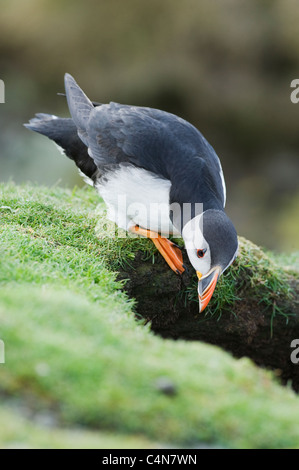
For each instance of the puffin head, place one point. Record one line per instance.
(212, 244)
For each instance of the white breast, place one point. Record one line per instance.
(135, 196)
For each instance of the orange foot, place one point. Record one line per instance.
(170, 252)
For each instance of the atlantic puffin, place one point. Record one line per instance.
(162, 167)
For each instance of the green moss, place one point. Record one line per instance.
(17, 431)
(253, 275)
(288, 261)
(73, 345)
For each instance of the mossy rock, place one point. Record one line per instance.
(77, 348)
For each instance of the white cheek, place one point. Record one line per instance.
(200, 264)
(194, 239)
(193, 234)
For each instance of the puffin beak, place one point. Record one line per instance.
(206, 286)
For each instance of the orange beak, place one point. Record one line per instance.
(206, 286)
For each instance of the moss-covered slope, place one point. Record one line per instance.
(74, 348)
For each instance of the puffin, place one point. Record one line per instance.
(158, 176)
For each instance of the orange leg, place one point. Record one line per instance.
(170, 252)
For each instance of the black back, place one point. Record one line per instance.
(157, 141)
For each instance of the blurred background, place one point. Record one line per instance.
(224, 66)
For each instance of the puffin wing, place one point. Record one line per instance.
(79, 105)
(155, 140)
(119, 133)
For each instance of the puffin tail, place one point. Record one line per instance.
(51, 126)
(79, 104)
(63, 132)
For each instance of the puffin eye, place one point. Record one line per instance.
(201, 253)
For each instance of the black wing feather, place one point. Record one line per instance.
(161, 143)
